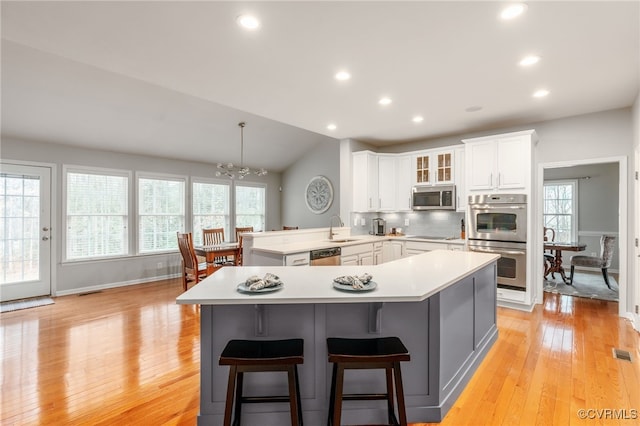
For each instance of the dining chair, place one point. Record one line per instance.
(607, 244)
(289, 228)
(549, 257)
(239, 232)
(192, 271)
(212, 237)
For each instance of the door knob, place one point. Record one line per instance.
(45, 238)
(45, 229)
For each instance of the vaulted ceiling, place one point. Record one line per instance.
(174, 78)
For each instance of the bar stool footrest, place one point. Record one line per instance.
(260, 399)
(365, 396)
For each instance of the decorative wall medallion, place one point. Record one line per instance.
(319, 194)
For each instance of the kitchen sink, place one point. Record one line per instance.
(343, 240)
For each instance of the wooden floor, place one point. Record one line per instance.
(131, 356)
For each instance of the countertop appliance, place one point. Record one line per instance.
(441, 197)
(325, 257)
(379, 226)
(498, 224)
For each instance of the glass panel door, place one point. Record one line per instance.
(25, 231)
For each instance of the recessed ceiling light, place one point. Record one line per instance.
(331, 126)
(529, 60)
(418, 119)
(540, 93)
(249, 22)
(473, 108)
(513, 11)
(384, 101)
(343, 75)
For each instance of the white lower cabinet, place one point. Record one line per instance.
(392, 250)
(297, 259)
(361, 254)
(377, 253)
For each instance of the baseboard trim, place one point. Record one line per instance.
(113, 285)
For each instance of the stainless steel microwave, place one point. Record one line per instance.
(433, 197)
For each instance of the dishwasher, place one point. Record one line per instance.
(325, 257)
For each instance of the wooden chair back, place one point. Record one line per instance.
(549, 234)
(213, 236)
(239, 232)
(190, 271)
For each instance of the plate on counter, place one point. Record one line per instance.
(245, 290)
(348, 287)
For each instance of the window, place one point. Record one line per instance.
(250, 206)
(210, 208)
(96, 213)
(161, 213)
(560, 201)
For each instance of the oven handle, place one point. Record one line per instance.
(495, 207)
(514, 252)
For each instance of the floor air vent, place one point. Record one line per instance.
(620, 354)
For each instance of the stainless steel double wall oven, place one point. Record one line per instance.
(498, 224)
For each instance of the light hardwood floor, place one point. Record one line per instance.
(131, 356)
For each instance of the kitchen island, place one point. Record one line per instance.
(442, 304)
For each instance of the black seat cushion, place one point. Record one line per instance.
(263, 350)
(382, 346)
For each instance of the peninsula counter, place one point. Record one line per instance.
(442, 304)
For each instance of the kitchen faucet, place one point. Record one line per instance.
(331, 233)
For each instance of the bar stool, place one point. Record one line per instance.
(244, 356)
(378, 353)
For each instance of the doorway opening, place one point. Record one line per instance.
(591, 224)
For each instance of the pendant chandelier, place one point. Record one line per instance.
(230, 171)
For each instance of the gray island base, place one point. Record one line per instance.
(441, 304)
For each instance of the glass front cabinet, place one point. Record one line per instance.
(433, 167)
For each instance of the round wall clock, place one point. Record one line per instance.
(319, 194)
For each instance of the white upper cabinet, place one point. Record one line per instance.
(387, 189)
(433, 167)
(403, 182)
(500, 163)
(459, 178)
(365, 181)
(381, 182)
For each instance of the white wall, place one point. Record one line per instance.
(634, 290)
(86, 275)
(323, 160)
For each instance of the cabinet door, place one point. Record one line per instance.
(443, 167)
(480, 165)
(366, 259)
(378, 259)
(365, 181)
(387, 189)
(349, 260)
(460, 180)
(403, 183)
(422, 169)
(360, 184)
(513, 163)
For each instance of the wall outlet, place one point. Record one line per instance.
(362, 222)
(355, 221)
(159, 265)
(406, 222)
(594, 254)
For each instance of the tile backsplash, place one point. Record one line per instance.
(432, 223)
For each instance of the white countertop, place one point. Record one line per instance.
(298, 247)
(410, 279)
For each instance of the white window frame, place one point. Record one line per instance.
(234, 205)
(69, 168)
(229, 233)
(574, 203)
(186, 213)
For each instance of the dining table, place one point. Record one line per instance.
(557, 248)
(216, 255)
